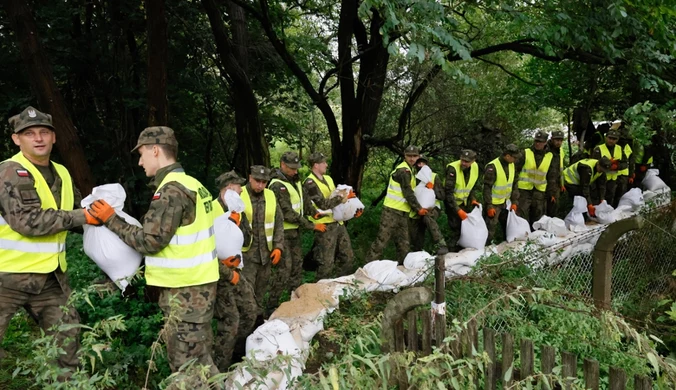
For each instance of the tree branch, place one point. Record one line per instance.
(510, 73)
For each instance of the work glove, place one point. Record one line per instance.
(476, 203)
(631, 178)
(513, 208)
(90, 219)
(235, 217)
(429, 185)
(614, 164)
(351, 195)
(491, 212)
(422, 212)
(591, 210)
(358, 213)
(275, 256)
(232, 261)
(553, 199)
(101, 210)
(320, 227)
(235, 278)
(462, 214)
(643, 168)
(563, 189)
(318, 215)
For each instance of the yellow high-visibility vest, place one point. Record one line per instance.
(572, 176)
(531, 175)
(627, 152)
(462, 188)
(640, 153)
(437, 202)
(190, 257)
(326, 190)
(394, 198)
(617, 155)
(296, 198)
(218, 209)
(561, 165)
(502, 188)
(22, 254)
(270, 210)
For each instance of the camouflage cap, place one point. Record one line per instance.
(468, 155)
(316, 158)
(156, 135)
(613, 134)
(412, 150)
(604, 163)
(291, 160)
(260, 172)
(229, 178)
(540, 136)
(422, 158)
(28, 118)
(512, 150)
(558, 134)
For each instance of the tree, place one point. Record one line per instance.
(158, 105)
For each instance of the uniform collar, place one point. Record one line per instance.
(163, 172)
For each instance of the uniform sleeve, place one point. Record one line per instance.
(245, 227)
(316, 196)
(449, 188)
(518, 166)
(489, 180)
(439, 192)
(160, 222)
(278, 235)
(309, 209)
(596, 153)
(284, 203)
(472, 193)
(20, 206)
(631, 162)
(403, 177)
(601, 185)
(553, 176)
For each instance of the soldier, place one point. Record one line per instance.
(643, 160)
(627, 175)
(235, 309)
(267, 226)
(38, 205)
(295, 205)
(554, 146)
(429, 221)
(618, 162)
(536, 179)
(399, 202)
(332, 247)
(460, 187)
(499, 184)
(586, 176)
(178, 242)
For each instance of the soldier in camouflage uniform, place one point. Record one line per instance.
(618, 162)
(460, 189)
(399, 202)
(497, 189)
(429, 222)
(295, 205)
(332, 247)
(267, 227)
(179, 247)
(554, 145)
(38, 201)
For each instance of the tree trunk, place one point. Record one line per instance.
(48, 95)
(158, 105)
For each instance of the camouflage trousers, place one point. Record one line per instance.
(531, 205)
(235, 314)
(258, 275)
(45, 307)
(333, 249)
(289, 271)
(454, 224)
(500, 217)
(393, 225)
(611, 188)
(621, 189)
(418, 227)
(192, 337)
(553, 207)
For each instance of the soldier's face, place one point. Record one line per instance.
(288, 171)
(611, 141)
(465, 164)
(539, 145)
(557, 143)
(35, 143)
(411, 159)
(321, 167)
(509, 158)
(149, 159)
(257, 185)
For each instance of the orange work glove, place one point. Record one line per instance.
(317, 215)
(563, 188)
(90, 219)
(235, 217)
(358, 213)
(422, 212)
(320, 227)
(275, 256)
(591, 210)
(232, 261)
(491, 212)
(513, 208)
(614, 165)
(643, 168)
(351, 195)
(476, 203)
(553, 200)
(429, 185)
(101, 210)
(631, 178)
(462, 214)
(235, 278)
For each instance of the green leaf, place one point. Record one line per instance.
(508, 373)
(654, 363)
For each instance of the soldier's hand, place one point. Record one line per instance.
(476, 203)
(351, 195)
(235, 217)
(491, 212)
(101, 210)
(553, 199)
(591, 210)
(358, 213)
(513, 207)
(235, 277)
(320, 227)
(232, 261)
(643, 168)
(631, 178)
(462, 214)
(422, 212)
(90, 219)
(563, 189)
(275, 256)
(429, 185)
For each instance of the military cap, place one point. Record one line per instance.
(512, 150)
(260, 172)
(540, 136)
(291, 160)
(420, 159)
(30, 117)
(412, 150)
(557, 134)
(156, 135)
(613, 134)
(604, 163)
(316, 158)
(468, 155)
(229, 178)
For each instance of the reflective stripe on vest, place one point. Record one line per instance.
(190, 257)
(502, 188)
(561, 165)
(627, 152)
(270, 210)
(617, 155)
(394, 198)
(326, 191)
(572, 176)
(296, 198)
(19, 253)
(531, 175)
(463, 188)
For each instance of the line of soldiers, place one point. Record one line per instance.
(532, 180)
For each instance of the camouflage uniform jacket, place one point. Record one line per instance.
(315, 195)
(552, 178)
(20, 207)
(259, 251)
(490, 176)
(586, 173)
(403, 177)
(622, 163)
(284, 201)
(556, 160)
(449, 188)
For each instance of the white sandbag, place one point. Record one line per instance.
(385, 272)
(424, 174)
(271, 339)
(652, 181)
(575, 220)
(233, 201)
(473, 231)
(345, 211)
(517, 228)
(544, 238)
(554, 225)
(229, 238)
(418, 260)
(632, 198)
(604, 213)
(425, 196)
(118, 260)
(467, 257)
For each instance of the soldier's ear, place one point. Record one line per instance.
(15, 138)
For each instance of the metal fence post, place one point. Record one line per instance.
(603, 259)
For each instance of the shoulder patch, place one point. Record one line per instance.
(407, 170)
(157, 195)
(22, 173)
(282, 188)
(451, 174)
(309, 180)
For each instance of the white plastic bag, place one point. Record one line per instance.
(385, 272)
(418, 260)
(517, 228)
(118, 260)
(424, 195)
(555, 226)
(604, 213)
(575, 220)
(632, 198)
(345, 211)
(270, 339)
(229, 238)
(473, 231)
(233, 201)
(652, 181)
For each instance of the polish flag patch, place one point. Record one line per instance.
(157, 196)
(22, 173)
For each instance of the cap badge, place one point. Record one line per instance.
(32, 114)
(262, 170)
